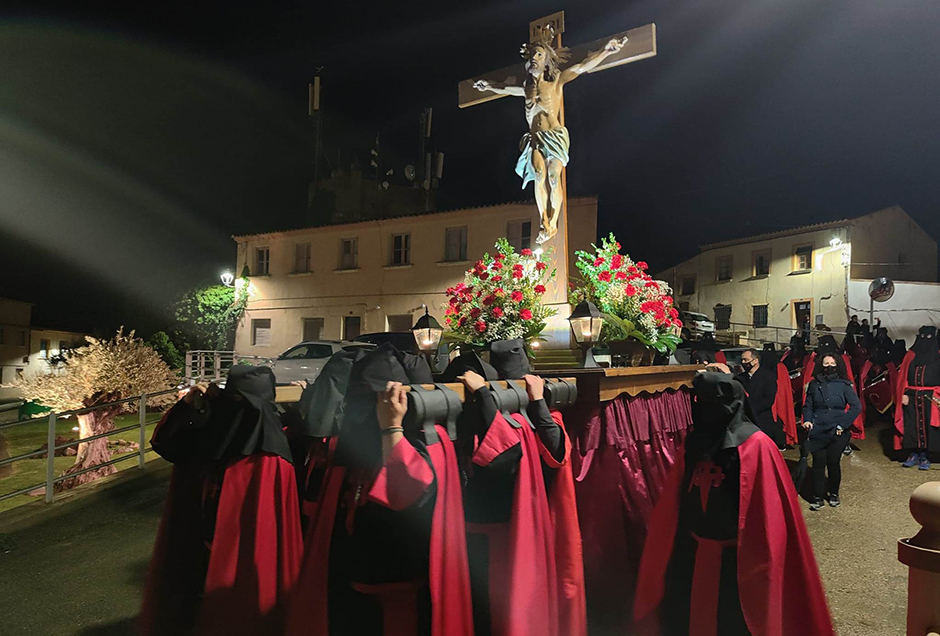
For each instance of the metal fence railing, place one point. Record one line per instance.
(51, 447)
(740, 334)
(213, 366)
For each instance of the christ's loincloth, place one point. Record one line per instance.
(552, 144)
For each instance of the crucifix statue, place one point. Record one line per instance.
(544, 148)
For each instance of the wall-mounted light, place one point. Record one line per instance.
(835, 242)
(228, 278)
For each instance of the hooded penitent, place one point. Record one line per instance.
(727, 550)
(918, 423)
(229, 546)
(386, 544)
(360, 445)
(322, 404)
(782, 409)
(523, 534)
(509, 358)
(469, 361)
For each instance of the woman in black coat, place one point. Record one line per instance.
(831, 406)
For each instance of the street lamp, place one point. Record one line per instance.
(427, 332)
(228, 278)
(586, 322)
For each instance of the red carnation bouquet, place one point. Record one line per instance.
(500, 298)
(634, 304)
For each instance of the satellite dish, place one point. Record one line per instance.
(881, 289)
(410, 172)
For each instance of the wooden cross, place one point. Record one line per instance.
(640, 44)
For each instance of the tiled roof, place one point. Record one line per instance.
(802, 229)
(402, 216)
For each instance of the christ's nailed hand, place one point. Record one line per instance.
(473, 381)
(481, 85)
(615, 44)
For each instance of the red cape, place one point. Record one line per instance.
(401, 481)
(859, 424)
(543, 592)
(783, 404)
(254, 557)
(778, 581)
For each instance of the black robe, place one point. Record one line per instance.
(918, 431)
(761, 391)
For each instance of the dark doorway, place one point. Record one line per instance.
(352, 327)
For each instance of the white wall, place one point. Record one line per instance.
(913, 305)
(823, 285)
(375, 290)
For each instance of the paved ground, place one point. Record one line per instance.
(78, 568)
(856, 543)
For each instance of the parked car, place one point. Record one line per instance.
(305, 360)
(698, 324)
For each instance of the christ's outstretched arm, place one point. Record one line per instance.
(505, 88)
(591, 61)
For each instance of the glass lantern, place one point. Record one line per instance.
(586, 322)
(427, 332)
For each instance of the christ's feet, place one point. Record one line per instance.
(545, 235)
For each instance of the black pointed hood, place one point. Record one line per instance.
(509, 358)
(719, 418)
(469, 361)
(926, 347)
(359, 443)
(322, 404)
(898, 351)
(826, 345)
(245, 431)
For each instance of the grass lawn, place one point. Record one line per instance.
(30, 437)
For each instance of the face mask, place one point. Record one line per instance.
(747, 365)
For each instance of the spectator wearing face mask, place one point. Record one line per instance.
(830, 408)
(760, 384)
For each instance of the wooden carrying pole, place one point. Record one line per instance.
(289, 394)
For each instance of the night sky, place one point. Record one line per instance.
(135, 139)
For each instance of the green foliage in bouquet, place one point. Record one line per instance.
(633, 303)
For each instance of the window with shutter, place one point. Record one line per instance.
(455, 244)
(262, 261)
(759, 318)
(302, 253)
(313, 329)
(519, 234)
(724, 268)
(352, 327)
(401, 249)
(723, 317)
(261, 332)
(349, 254)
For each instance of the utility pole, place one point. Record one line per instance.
(313, 111)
